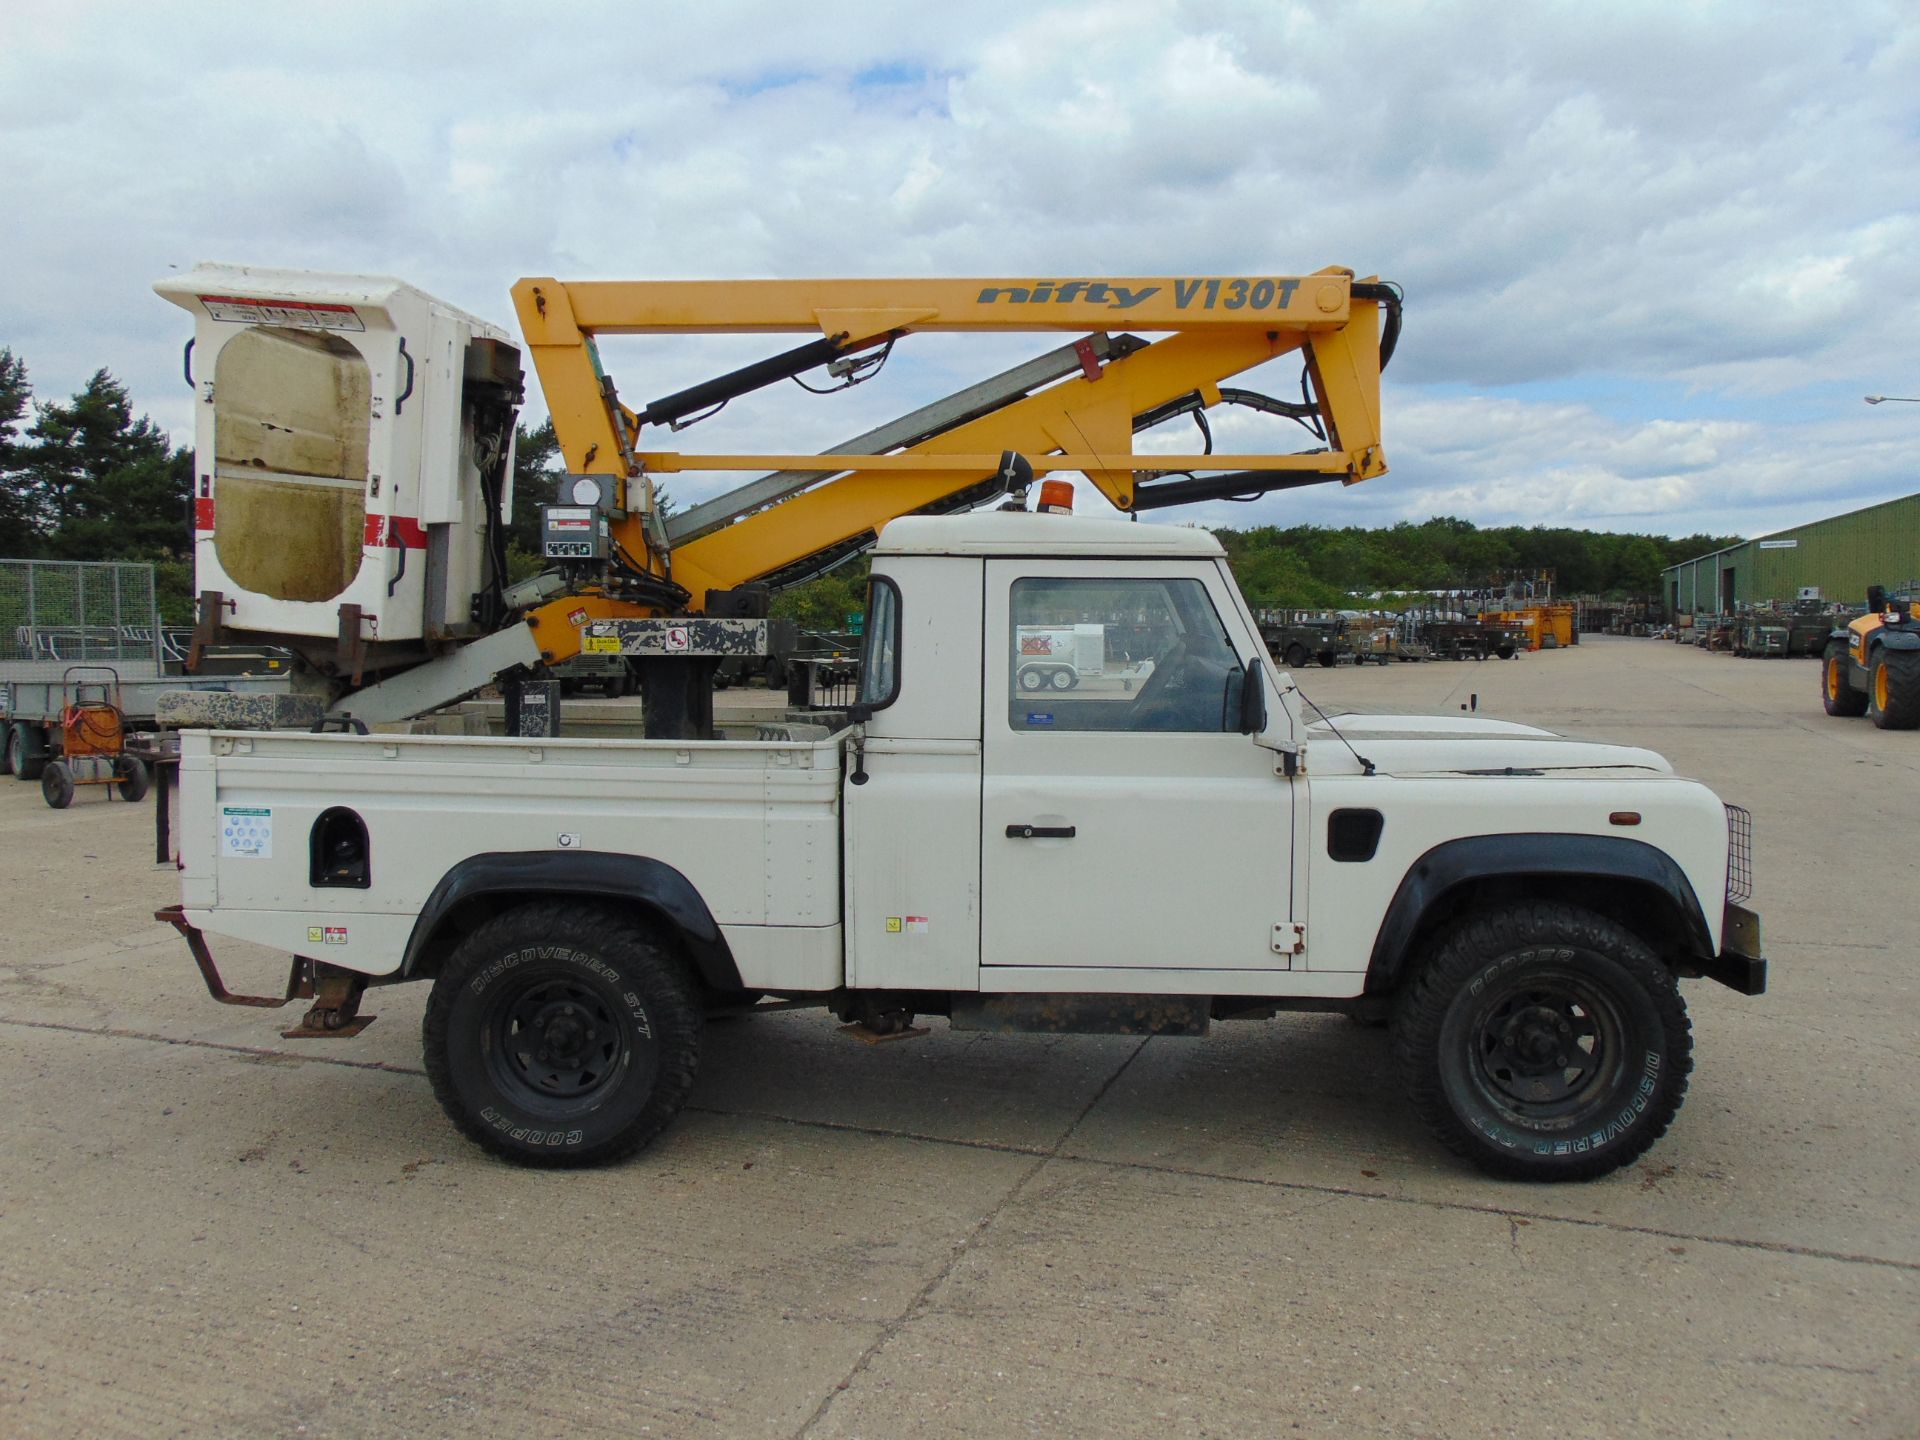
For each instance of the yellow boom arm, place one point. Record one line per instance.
(1215, 327)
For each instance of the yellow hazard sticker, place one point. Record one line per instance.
(316, 935)
(601, 645)
(893, 924)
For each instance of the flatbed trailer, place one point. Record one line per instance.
(34, 700)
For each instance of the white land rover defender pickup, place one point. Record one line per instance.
(1124, 858)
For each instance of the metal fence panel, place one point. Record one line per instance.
(56, 613)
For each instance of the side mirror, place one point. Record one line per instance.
(859, 714)
(1253, 699)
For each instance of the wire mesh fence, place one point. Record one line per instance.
(55, 613)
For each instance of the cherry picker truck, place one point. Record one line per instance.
(1521, 906)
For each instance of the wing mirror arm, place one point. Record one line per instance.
(858, 716)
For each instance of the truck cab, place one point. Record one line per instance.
(1177, 839)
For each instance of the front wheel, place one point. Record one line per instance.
(1837, 695)
(1544, 1042)
(56, 784)
(561, 1035)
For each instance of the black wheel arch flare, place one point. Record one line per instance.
(1591, 869)
(482, 885)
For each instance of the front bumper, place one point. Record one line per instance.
(1739, 965)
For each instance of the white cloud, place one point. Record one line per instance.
(1653, 253)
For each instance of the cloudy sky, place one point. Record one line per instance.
(1654, 254)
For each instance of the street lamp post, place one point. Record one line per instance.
(1882, 399)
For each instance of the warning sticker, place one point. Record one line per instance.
(679, 638)
(239, 310)
(916, 924)
(601, 645)
(246, 832)
(577, 617)
(326, 934)
(893, 925)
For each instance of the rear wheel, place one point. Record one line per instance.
(1544, 1042)
(561, 1035)
(1893, 696)
(131, 774)
(1836, 692)
(1296, 656)
(56, 784)
(24, 759)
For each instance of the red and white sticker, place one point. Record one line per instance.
(678, 638)
(312, 315)
(576, 617)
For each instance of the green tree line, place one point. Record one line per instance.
(87, 479)
(1317, 566)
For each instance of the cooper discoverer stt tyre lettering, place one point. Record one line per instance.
(561, 1035)
(1544, 1042)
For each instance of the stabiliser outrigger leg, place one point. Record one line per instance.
(335, 1013)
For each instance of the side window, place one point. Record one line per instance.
(880, 648)
(1130, 655)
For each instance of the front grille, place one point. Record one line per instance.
(1739, 853)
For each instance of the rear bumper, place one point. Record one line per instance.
(1739, 965)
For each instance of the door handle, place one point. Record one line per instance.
(1040, 832)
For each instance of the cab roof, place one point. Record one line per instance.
(1020, 532)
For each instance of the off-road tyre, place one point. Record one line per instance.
(619, 1063)
(1508, 993)
(1296, 656)
(1837, 694)
(1893, 689)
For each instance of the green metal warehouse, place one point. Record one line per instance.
(1840, 557)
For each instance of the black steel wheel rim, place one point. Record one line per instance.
(1546, 1046)
(558, 1044)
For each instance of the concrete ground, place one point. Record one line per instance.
(205, 1230)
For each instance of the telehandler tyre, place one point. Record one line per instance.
(1893, 689)
(1544, 1042)
(1836, 694)
(560, 1035)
